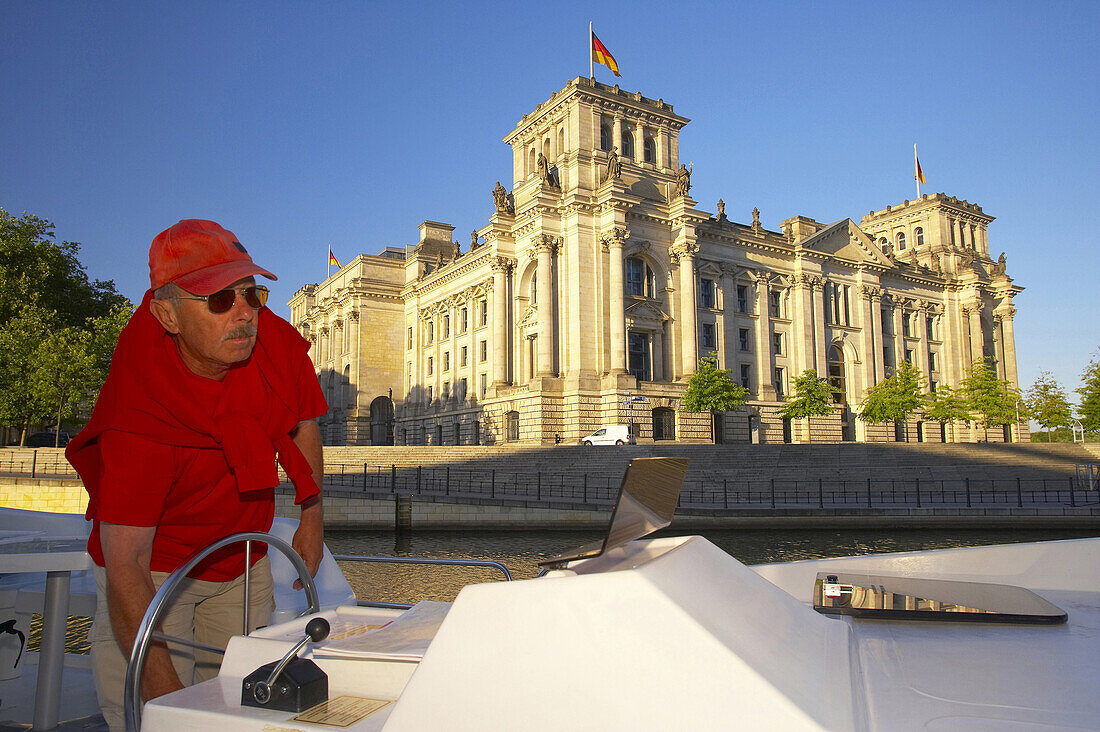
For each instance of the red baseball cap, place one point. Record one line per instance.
(201, 257)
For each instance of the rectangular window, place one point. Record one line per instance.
(745, 373)
(929, 328)
(931, 360)
(887, 356)
(483, 313)
(742, 299)
(431, 333)
(464, 320)
(932, 386)
(484, 351)
(446, 327)
(887, 322)
(707, 297)
(637, 355)
(907, 324)
(710, 336)
(777, 344)
(908, 356)
(410, 337)
(431, 364)
(827, 300)
(847, 310)
(462, 362)
(775, 301)
(780, 390)
(446, 360)
(743, 337)
(446, 390)
(482, 384)
(461, 393)
(429, 394)
(635, 277)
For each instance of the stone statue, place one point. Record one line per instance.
(1001, 265)
(934, 264)
(544, 171)
(755, 218)
(721, 210)
(683, 180)
(500, 198)
(614, 168)
(473, 240)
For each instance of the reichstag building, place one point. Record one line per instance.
(597, 284)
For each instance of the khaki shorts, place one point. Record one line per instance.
(206, 612)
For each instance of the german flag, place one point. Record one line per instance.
(601, 55)
(917, 172)
(332, 260)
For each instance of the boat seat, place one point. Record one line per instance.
(332, 586)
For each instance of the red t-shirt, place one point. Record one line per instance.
(189, 493)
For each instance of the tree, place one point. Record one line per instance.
(22, 340)
(1047, 403)
(1089, 408)
(35, 270)
(711, 389)
(945, 405)
(895, 398)
(989, 399)
(811, 396)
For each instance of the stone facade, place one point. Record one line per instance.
(597, 284)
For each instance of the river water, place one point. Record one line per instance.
(520, 551)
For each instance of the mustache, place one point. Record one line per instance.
(241, 331)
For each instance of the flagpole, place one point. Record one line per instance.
(916, 167)
(591, 66)
(328, 262)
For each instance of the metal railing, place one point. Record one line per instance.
(717, 492)
(489, 563)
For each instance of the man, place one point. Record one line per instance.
(206, 389)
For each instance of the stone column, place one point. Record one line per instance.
(501, 267)
(977, 340)
(617, 134)
(820, 358)
(729, 320)
(867, 335)
(639, 143)
(545, 247)
(921, 323)
(762, 346)
(662, 148)
(874, 301)
(613, 244)
(685, 252)
(1008, 344)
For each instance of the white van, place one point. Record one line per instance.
(610, 434)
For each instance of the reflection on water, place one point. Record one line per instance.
(520, 551)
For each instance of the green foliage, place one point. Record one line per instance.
(57, 329)
(1047, 403)
(894, 398)
(945, 406)
(991, 401)
(811, 396)
(711, 389)
(1089, 408)
(35, 270)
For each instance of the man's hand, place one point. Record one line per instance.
(309, 539)
(127, 551)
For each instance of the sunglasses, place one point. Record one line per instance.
(221, 301)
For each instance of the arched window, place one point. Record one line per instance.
(901, 241)
(628, 144)
(534, 287)
(546, 147)
(640, 281)
(349, 387)
(561, 142)
(605, 137)
(836, 373)
(919, 235)
(531, 161)
(884, 245)
(650, 150)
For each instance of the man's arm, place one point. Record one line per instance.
(310, 537)
(127, 551)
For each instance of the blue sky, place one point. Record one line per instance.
(302, 125)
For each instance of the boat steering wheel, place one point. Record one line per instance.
(158, 606)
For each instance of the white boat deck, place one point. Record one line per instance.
(675, 634)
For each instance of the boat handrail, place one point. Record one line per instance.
(489, 563)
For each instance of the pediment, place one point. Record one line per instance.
(645, 310)
(529, 319)
(844, 240)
